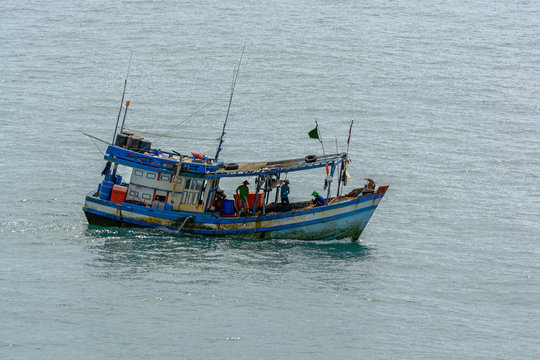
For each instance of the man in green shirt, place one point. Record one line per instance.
(243, 191)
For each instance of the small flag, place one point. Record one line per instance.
(314, 134)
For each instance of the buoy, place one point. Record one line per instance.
(198, 155)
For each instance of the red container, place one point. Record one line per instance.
(118, 193)
(251, 199)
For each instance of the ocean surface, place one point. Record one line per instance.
(445, 98)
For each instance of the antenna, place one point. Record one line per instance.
(235, 76)
(122, 101)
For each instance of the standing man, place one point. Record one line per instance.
(285, 193)
(243, 191)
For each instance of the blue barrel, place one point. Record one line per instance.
(228, 207)
(168, 207)
(106, 190)
(118, 180)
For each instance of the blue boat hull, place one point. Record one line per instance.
(343, 219)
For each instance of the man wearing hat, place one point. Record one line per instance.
(285, 193)
(318, 200)
(243, 191)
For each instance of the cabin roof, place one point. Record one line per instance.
(277, 166)
(219, 169)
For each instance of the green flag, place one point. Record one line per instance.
(314, 134)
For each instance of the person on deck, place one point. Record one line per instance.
(243, 191)
(285, 193)
(318, 200)
(219, 199)
(370, 186)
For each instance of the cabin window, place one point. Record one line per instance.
(189, 197)
(180, 197)
(151, 175)
(193, 184)
(138, 172)
(193, 191)
(202, 191)
(166, 178)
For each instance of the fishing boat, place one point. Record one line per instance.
(181, 192)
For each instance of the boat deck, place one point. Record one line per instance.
(277, 208)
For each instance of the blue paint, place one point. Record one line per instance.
(313, 229)
(228, 207)
(106, 190)
(209, 218)
(349, 223)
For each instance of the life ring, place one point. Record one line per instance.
(231, 166)
(311, 158)
(198, 155)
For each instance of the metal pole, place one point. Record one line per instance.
(125, 113)
(235, 76)
(122, 101)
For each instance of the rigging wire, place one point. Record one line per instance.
(170, 136)
(262, 112)
(92, 137)
(189, 117)
(257, 108)
(101, 151)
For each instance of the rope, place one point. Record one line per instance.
(256, 108)
(170, 136)
(190, 116)
(260, 111)
(101, 151)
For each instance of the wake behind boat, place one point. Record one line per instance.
(182, 192)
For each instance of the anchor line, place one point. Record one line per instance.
(185, 221)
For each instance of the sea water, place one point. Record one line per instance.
(445, 102)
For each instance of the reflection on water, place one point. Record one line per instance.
(132, 252)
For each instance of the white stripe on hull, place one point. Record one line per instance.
(333, 223)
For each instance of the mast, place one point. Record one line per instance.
(122, 101)
(235, 76)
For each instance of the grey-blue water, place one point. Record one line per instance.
(445, 102)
